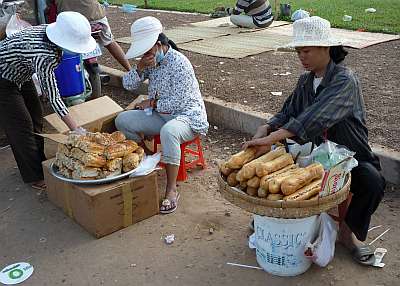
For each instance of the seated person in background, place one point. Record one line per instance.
(175, 108)
(258, 14)
(327, 104)
(96, 15)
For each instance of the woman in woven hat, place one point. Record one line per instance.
(327, 104)
(175, 108)
(37, 50)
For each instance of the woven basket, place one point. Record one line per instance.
(283, 209)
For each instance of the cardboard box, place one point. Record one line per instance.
(95, 115)
(103, 209)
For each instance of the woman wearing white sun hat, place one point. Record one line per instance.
(327, 104)
(36, 49)
(175, 108)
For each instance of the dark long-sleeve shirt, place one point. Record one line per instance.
(29, 52)
(337, 107)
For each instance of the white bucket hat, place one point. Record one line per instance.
(71, 31)
(144, 32)
(313, 31)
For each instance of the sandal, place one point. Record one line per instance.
(167, 204)
(39, 186)
(364, 255)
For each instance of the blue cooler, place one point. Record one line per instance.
(69, 75)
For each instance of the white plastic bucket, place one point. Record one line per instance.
(280, 244)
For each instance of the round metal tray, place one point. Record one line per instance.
(54, 172)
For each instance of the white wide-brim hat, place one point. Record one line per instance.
(72, 32)
(144, 32)
(313, 32)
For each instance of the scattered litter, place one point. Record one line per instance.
(227, 213)
(244, 101)
(215, 127)
(330, 267)
(189, 266)
(370, 10)
(222, 71)
(228, 72)
(226, 148)
(276, 73)
(42, 240)
(285, 73)
(211, 230)
(11, 199)
(374, 227)
(169, 239)
(244, 266)
(379, 254)
(201, 81)
(252, 87)
(221, 63)
(379, 236)
(209, 238)
(133, 265)
(347, 18)
(128, 8)
(16, 273)
(276, 93)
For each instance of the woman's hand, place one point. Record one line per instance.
(145, 62)
(262, 145)
(147, 103)
(262, 131)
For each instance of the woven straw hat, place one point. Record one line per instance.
(313, 32)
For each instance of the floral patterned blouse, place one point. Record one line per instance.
(174, 85)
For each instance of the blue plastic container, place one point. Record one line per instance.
(69, 75)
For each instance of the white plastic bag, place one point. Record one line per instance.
(148, 165)
(322, 250)
(299, 14)
(15, 25)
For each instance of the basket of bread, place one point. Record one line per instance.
(274, 186)
(96, 157)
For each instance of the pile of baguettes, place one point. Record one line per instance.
(97, 156)
(273, 176)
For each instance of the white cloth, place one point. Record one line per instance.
(317, 82)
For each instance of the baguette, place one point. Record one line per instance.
(239, 176)
(231, 179)
(251, 191)
(299, 180)
(264, 182)
(249, 169)
(238, 160)
(305, 192)
(274, 165)
(90, 147)
(64, 149)
(254, 182)
(224, 169)
(274, 184)
(118, 136)
(262, 193)
(275, 197)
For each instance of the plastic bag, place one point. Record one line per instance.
(15, 25)
(322, 250)
(299, 14)
(148, 165)
(329, 154)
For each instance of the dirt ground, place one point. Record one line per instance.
(251, 80)
(63, 253)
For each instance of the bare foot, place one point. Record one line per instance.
(39, 185)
